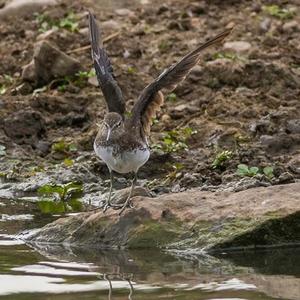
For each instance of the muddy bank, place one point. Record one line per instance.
(197, 220)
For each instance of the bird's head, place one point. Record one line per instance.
(112, 121)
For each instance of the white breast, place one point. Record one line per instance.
(126, 162)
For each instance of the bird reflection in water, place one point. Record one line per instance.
(124, 276)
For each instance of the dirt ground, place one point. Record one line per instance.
(243, 97)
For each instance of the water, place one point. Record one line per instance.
(65, 273)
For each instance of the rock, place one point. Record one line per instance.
(124, 12)
(237, 46)
(286, 177)
(293, 126)
(265, 24)
(291, 26)
(21, 8)
(93, 81)
(193, 219)
(25, 127)
(49, 63)
(111, 24)
(294, 164)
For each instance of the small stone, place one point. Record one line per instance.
(110, 24)
(163, 8)
(237, 46)
(46, 35)
(124, 12)
(286, 177)
(294, 164)
(93, 81)
(180, 107)
(166, 119)
(293, 126)
(265, 25)
(291, 26)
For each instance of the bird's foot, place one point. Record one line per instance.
(128, 203)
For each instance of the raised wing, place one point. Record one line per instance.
(151, 98)
(104, 71)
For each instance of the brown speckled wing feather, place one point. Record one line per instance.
(104, 71)
(151, 98)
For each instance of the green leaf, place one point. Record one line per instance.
(253, 170)
(51, 207)
(268, 171)
(171, 97)
(242, 170)
(75, 204)
(60, 146)
(68, 162)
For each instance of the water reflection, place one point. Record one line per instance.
(38, 269)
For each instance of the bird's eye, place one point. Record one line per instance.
(118, 124)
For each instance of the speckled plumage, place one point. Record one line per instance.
(122, 142)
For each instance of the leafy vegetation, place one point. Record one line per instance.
(221, 158)
(244, 170)
(46, 23)
(278, 12)
(174, 140)
(80, 80)
(64, 147)
(227, 55)
(171, 97)
(60, 198)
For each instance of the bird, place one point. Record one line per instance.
(122, 139)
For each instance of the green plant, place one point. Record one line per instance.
(59, 198)
(278, 12)
(244, 170)
(227, 55)
(221, 158)
(171, 97)
(175, 170)
(268, 171)
(64, 147)
(46, 23)
(131, 70)
(174, 140)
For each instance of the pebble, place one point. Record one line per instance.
(291, 26)
(237, 46)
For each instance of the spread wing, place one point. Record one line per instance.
(104, 71)
(151, 98)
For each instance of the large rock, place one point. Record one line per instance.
(49, 63)
(264, 216)
(22, 8)
(25, 127)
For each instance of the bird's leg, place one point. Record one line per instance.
(127, 202)
(107, 202)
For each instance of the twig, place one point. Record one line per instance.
(105, 40)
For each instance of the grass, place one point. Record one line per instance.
(45, 23)
(174, 140)
(278, 12)
(221, 159)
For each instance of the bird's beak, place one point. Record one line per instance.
(108, 134)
